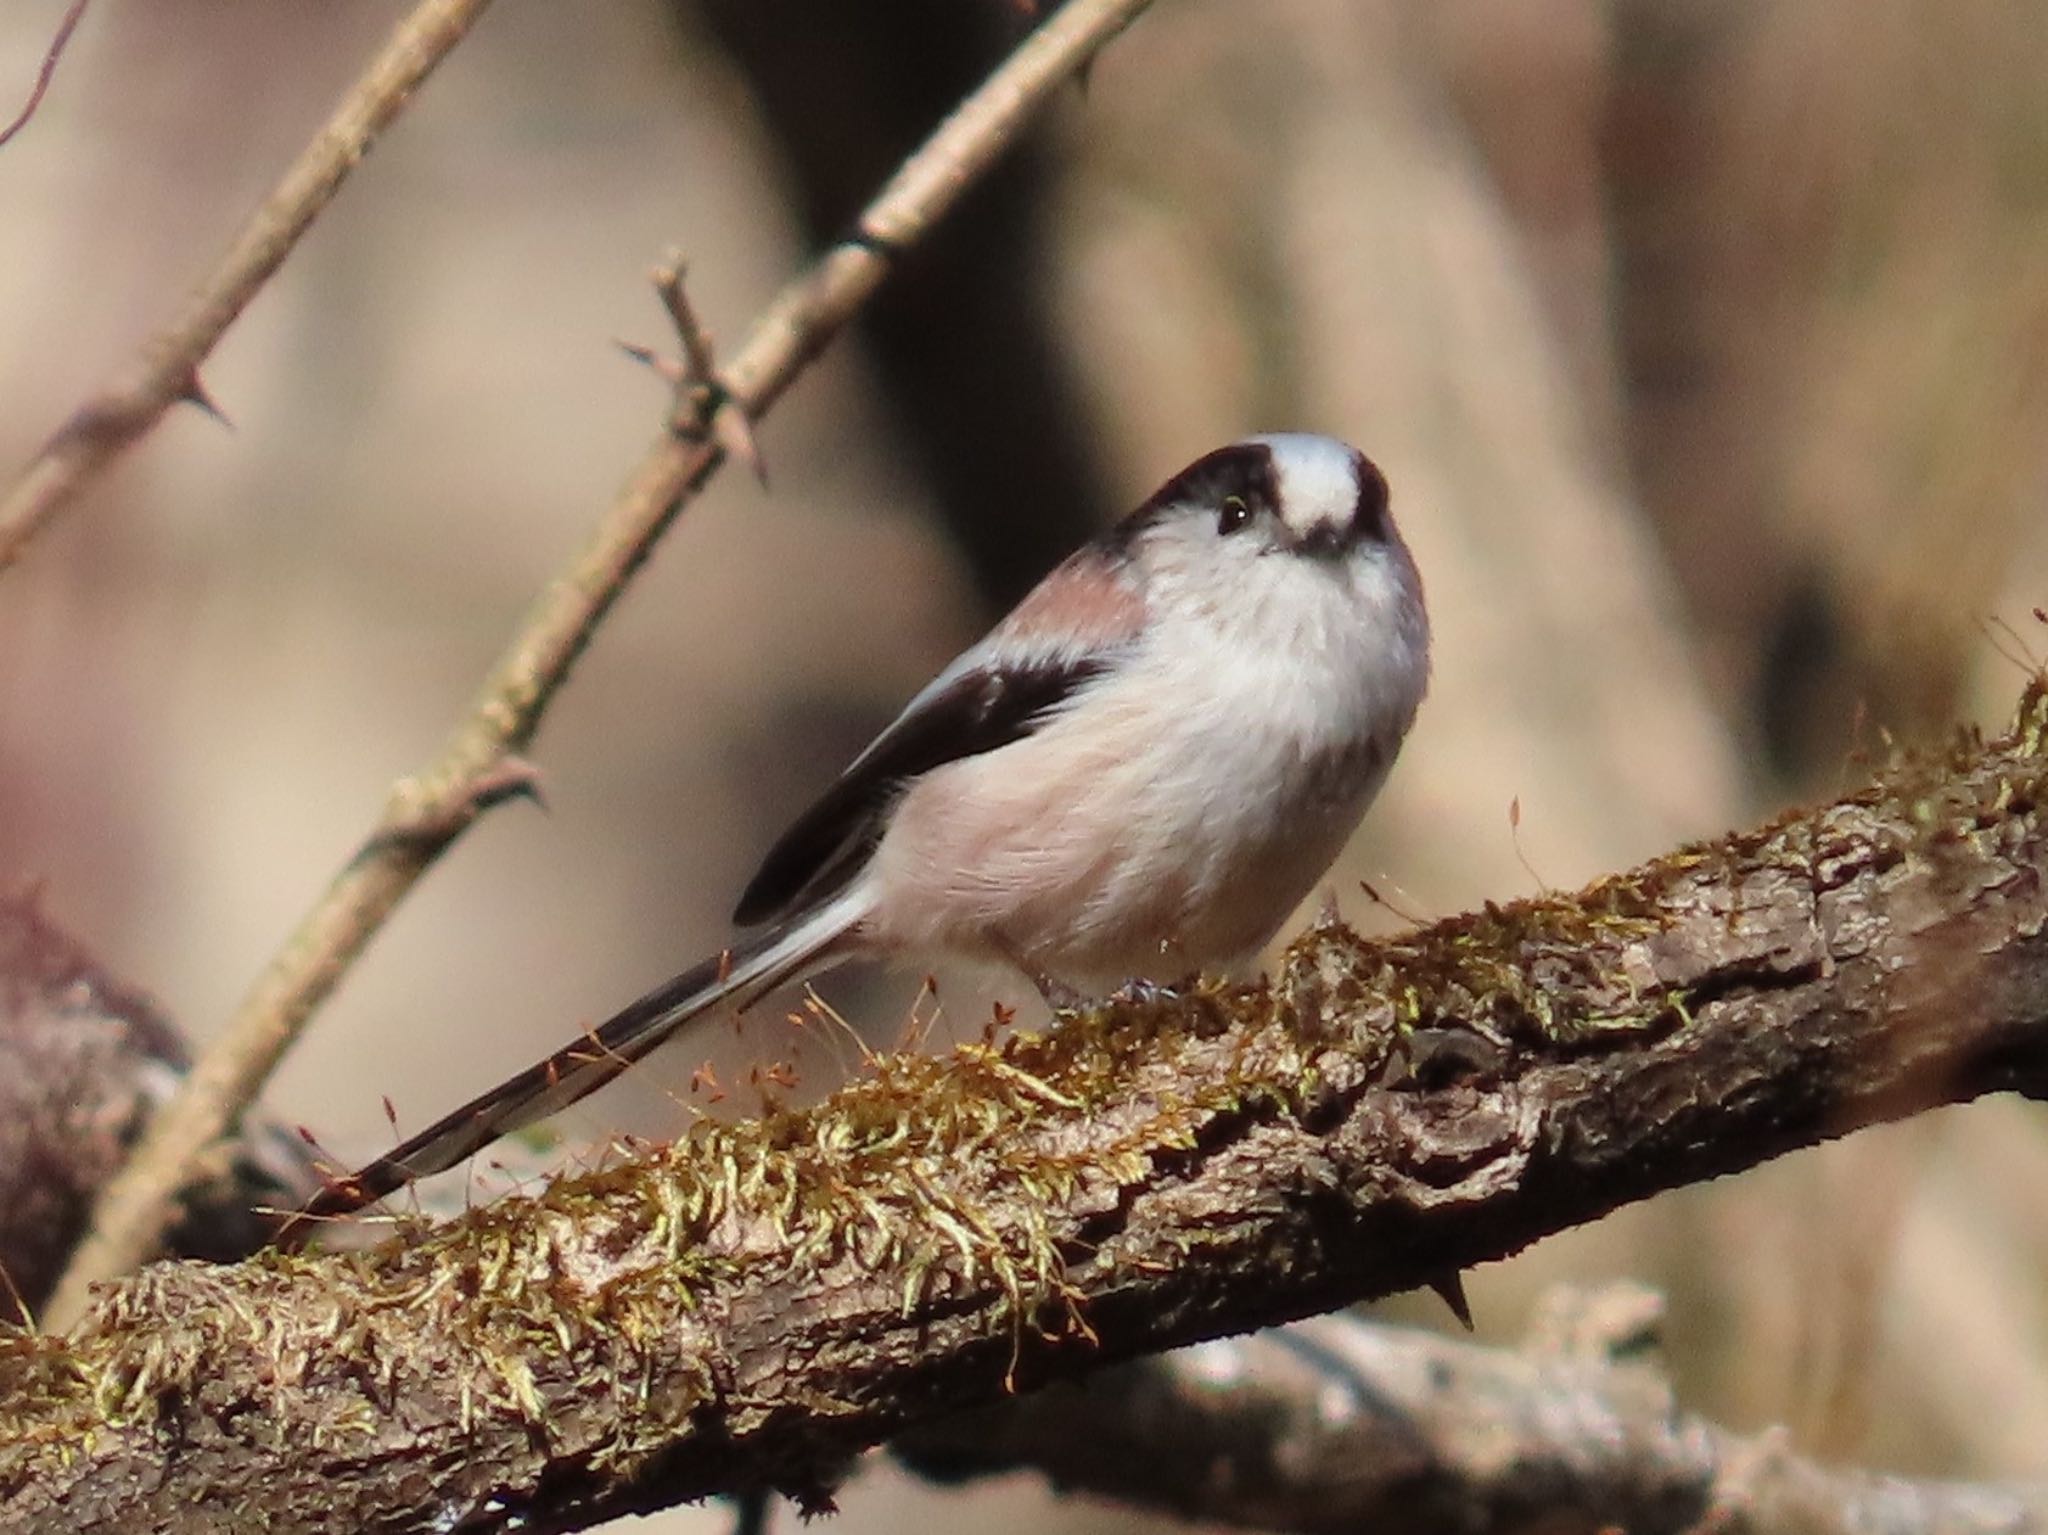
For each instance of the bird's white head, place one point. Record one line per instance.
(1278, 540)
(1291, 492)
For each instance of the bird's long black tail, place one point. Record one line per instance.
(739, 975)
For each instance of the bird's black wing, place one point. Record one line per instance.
(973, 707)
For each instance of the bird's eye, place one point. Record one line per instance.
(1235, 514)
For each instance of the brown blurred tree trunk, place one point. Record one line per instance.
(973, 375)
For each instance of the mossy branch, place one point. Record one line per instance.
(764, 1299)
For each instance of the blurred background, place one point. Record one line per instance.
(1705, 345)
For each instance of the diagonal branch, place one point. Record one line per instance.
(428, 812)
(762, 1300)
(46, 72)
(167, 372)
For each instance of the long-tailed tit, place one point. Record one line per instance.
(1137, 773)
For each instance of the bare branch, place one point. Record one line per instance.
(704, 402)
(1338, 1424)
(47, 71)
(167, 372)
(428, 812)
(760, 1301)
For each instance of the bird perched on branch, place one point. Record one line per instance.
(1140, 771)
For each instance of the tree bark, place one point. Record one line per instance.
(84, 1061)
(764, 1299)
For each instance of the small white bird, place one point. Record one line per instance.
(1139, 772)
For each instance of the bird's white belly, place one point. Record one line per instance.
(1105, 854)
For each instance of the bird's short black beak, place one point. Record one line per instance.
(1325, 541)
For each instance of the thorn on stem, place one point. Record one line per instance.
(193, 391)
(667, 368)
(706, 408)
(430, 823)
(1450, 1285)
(512, 777)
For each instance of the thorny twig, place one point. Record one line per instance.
(704, 402)
(167, 372)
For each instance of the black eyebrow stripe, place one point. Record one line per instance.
(984, 708)
(1369, 515)
(1242, 468)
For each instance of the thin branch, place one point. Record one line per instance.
(1340, 1424)
(762, 1300)
(167, 372)
(704, 401)
(47, 71)
(433, 808)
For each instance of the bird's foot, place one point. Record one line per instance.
(1143, 991)
(1059, 996)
